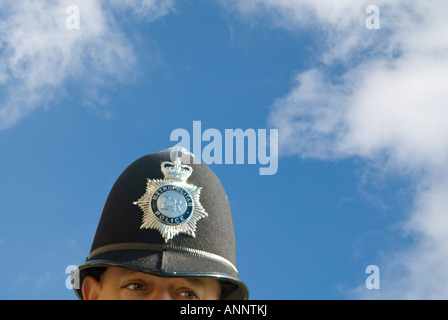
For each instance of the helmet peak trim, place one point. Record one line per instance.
(162, 247)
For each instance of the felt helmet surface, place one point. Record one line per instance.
(167, 215)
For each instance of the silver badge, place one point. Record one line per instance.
(171, 205)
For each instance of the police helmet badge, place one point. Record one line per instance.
(171, 205)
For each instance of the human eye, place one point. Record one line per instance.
(134, 286)
(188, 295)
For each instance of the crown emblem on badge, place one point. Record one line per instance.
(176, 171)
(171, 205)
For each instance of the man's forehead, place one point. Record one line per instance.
(123, 272)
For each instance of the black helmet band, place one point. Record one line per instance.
(163, 247)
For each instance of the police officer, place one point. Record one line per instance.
(166, 232)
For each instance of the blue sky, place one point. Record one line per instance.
(361, 115)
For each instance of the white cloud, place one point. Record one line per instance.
(39, 53)
(147, 9)
(390, 104)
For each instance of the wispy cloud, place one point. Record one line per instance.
(39, 54)
(146, 9)
(386, 104)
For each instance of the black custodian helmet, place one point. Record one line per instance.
(167, 215)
